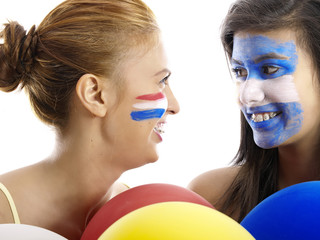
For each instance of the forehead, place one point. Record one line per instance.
(146, 62)
(247, 45)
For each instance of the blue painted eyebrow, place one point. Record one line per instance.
(271, 55)
(254, 49)
(234, 61)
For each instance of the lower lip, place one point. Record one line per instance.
(159, 135)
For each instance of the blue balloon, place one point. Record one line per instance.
(292, 213)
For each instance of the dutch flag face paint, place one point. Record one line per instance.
(149, 106)
(267, 92)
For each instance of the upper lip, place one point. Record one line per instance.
(262, 113)
(160, 122)
(260, 110)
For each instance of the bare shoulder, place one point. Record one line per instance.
(212, 184)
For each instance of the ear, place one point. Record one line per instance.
(90, 91)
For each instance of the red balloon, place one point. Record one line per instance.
(135, 198)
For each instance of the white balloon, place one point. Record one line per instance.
(27, 232)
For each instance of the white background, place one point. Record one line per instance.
(203, 136)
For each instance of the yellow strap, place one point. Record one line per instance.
(11, 203)
(125, 185)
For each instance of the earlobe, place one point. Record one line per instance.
(89, 90)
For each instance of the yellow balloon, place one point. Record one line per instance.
(173, 221)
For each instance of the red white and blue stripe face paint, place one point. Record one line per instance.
(149, 106)
(268, 98)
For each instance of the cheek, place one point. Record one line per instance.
(150, 106)
(238, 92)
(147, 114)
(282, 89)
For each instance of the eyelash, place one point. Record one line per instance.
(237, 72)
(267, 69)
(270, 67)
(165, 80)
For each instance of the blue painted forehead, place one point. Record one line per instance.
(245, 48)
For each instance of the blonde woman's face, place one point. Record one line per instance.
(137, 124)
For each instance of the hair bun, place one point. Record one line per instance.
(16, 55)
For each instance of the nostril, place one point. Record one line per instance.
(173, 107)
(172, 112)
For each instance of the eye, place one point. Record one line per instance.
(164, 81)
(240, 73)
(270, 70)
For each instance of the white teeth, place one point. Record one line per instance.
(260, 117)
(273, 114)
(159, 128)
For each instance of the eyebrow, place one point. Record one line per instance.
(236, 61)
(271, 55)
(165, 70)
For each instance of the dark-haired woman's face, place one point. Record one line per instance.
(276, 88)
(137, 124)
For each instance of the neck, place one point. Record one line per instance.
(298, 163)
(82, 176)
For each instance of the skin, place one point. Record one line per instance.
(298, 153)
(101, 142)
(265, 82)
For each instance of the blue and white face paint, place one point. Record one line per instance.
(268, 97)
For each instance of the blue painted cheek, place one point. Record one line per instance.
(274, 132)
(147, 114)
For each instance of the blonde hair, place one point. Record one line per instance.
(75, 38)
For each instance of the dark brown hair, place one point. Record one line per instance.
(258, 176)
(77, 37)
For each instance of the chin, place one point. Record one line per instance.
(267, 142)
(143, 161)
(153, 157)
(265, 145)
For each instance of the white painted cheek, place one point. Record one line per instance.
(251, 93)
(281, 90)
(255, 92)
(164, 103)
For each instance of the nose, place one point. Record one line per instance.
(173, 105)
(251, 92)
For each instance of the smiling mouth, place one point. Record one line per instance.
(159, 128)
(260, 117)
